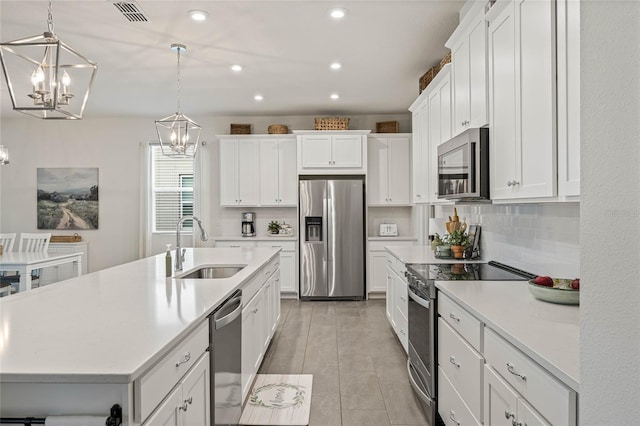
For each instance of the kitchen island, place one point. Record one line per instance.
(81, 345)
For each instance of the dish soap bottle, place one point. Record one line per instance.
(167, 260)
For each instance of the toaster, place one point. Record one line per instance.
(388, 230)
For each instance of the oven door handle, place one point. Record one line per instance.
(423, 396)
(420, 301)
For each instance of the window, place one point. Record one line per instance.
(172, 180)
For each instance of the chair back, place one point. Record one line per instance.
(7, 241)
(34, 242)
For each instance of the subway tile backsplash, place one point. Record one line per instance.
(540, 238)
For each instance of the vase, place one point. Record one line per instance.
(458, 251)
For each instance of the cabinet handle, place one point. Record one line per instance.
(513, 371)
(185, 406)
(452, 360)
(453, 317)
(515, 182)
(402, 331)
(185, 359)
(254, 311)
(452, 416)
(418, 195)
(508, 415)
(404, 299)
(509, 183)
(514, 423)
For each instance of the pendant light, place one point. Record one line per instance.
(45, 76)
(178, 134)
(4, 155)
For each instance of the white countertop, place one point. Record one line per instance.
(111, 326)
(548, 333)
(257, 238)
(396, 238)
(422, 254)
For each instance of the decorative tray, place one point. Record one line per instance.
(280, 235)
(561, 292)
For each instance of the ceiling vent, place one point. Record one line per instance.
(132, 11)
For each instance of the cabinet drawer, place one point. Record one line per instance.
(463, 366)
(402, 329)
(397, 266)
(451, 407)
(468, 326)
(249, 290)
(402, 298)
(284, 245)
(555, 401)
(227, 243)
(153, 386)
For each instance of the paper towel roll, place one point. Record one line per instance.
(75, 421)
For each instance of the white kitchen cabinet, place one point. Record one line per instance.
(235, 243)
(398, 300)
(278, 176)
(469, 71)
(239, 168)
(522, 99)
(378, 260)
(439, 127)
(420, 149)
(568, 44)
(288, 265)
(66, 271)
(388, 174)
(332, 152)
(189, 403)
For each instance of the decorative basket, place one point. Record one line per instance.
(278, 129)
(240, 129)
(332, 123)
(75, 238)
(387, 127)
(445, 60)
(427, 77)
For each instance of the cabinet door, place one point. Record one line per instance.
(445, 111)
(195, 394)
(277, 288)
(502, 97)
(420, 152)
(253, 320)
(167, 413)
(460, 65)
(500, 401)
(391, 303)
(377, 271)
(347, 151)
(228, 172)
(248, 172)
(478, 74)
(288, 265)
(316, 151)
(268, 313)
(287, 173)
(398, 171)
(535, 98)
(269, 173)
(528, 416)
(377, 171)
(434, 140)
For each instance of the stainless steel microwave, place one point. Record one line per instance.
(463, 166)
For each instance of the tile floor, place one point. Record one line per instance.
(359, 367)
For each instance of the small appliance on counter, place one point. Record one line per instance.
(248, 224)
(388, 230)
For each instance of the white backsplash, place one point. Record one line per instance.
(398, 215)
(540, 238)
(230, 220)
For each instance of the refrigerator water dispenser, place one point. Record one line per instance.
(313, 228)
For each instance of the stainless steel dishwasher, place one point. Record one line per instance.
(225, 339)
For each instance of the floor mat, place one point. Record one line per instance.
(279, 399)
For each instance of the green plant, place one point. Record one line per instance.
(459, 238)
(274, 227)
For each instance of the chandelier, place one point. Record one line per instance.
(178, 134)
(45, 76)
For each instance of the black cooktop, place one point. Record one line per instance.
(492, 271)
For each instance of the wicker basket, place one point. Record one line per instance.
(332, 123)
(75, 238)
(277, 129)
(427, 77)
(240, 129)
(387, 127)
(445, 60)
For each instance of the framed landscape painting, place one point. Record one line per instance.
(68, 198)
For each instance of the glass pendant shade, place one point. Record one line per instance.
(47, 78)
(178, 136)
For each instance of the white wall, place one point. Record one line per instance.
(610, 210)
(112, 145)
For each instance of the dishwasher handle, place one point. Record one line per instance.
(223, 317)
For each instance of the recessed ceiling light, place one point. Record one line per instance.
(336, 66)
(338, 13)
(236, 68)
(198, 15)
(258, 98)
(335, 96)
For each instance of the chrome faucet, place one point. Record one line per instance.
(179, 250)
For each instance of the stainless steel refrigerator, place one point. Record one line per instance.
(332, 220)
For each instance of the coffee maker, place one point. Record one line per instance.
(248, 224)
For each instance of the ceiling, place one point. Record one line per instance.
(285, 47)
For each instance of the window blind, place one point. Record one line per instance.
(172, 180)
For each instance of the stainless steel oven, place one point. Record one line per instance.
(463, 166)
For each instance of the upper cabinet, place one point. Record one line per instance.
(468, 46)
(420, 148)
(388, 174)
(522, 96)
(278, 176)
(332, 152)
(439, 127)
(238, 171)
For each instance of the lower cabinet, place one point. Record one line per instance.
(377, 263)
(188, 403)
(68, 270)
(397, 300)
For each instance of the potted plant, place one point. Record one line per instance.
(273, 227)
(459, 240)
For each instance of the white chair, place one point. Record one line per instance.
(6, 241)
(31, 243)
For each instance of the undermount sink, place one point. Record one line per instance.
(211, 272)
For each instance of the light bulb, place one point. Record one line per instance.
(66, 80)
(37, 76)
(173, 137)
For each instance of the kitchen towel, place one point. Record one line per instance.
(279, 399)
(75, 421)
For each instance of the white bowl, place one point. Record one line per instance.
(561, 292)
